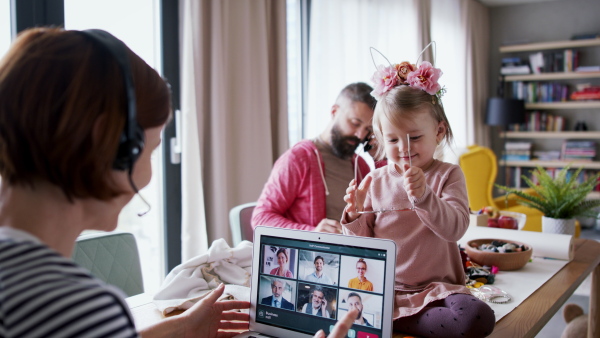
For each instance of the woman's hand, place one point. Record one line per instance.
(341, 327)
(355, 198)
(414, 182)
(209, 317)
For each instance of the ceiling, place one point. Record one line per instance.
(496, 3)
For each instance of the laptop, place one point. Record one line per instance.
(303, 281)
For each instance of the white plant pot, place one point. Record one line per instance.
(558, 225)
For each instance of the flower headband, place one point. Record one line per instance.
(424, 77)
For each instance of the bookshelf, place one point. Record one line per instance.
(571, 110)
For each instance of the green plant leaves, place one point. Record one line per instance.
(558, 197)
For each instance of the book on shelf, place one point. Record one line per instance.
(514, 66)
(554, 61)
(584, 69)
(585, 36)
(515, 70)
(587, 93)
(547, 155)
(532, 92)
(517, 151)
(540, 121)
(578, 151)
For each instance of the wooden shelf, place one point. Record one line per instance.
(551, 164)
(550, 45)
(552, 134)
(553, 76)
(564, 105)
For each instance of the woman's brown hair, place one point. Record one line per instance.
(56, 86)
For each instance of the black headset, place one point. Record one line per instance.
(131, 141)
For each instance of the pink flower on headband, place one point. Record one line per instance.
(385, 78)
(425, 78)
(404, 68)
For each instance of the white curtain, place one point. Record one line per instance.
(343, 30)
(341, 34)
(234, 103)
(460, 28)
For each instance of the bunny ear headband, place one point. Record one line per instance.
(424, 77)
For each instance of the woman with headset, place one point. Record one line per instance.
(80, 115)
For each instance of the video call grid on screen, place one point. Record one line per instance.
(296, 289)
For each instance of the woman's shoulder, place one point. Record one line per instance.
(40, 277)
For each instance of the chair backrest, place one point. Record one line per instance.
(480, 168)
(112, 257)
(239, 221)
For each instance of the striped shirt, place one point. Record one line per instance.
(43, 294)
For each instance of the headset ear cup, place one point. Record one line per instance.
(129, 149)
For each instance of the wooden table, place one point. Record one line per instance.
(524, 321)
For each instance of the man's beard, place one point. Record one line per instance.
(359, 316)
(340, 145)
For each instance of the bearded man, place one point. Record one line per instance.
(308, 182)
(354, 301)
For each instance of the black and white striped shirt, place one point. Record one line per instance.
(43, 294)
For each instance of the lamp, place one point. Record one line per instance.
(502, 112)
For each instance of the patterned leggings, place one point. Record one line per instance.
(458, 315)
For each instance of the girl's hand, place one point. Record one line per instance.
(414, 182)
(355, 198)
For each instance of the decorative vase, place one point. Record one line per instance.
(558, 225)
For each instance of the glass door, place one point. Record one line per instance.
(137, 23)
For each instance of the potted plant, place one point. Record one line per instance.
(560, 199)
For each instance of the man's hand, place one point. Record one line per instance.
(323, 306)
(329, 225)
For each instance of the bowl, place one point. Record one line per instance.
(504, 261)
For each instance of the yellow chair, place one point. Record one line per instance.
(480, 168)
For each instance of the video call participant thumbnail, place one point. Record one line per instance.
(283, 262)
(317, 303)
(361, 282)
(319, 276)
(276, 299)
(354, 301)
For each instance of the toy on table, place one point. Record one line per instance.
(497, 220)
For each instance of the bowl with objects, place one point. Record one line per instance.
(507, 255)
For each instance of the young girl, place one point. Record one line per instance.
(431, 297)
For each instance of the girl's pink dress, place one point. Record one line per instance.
(428, 262)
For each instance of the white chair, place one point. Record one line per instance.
(239, 221)
(112, 257)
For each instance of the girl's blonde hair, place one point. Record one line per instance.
(403, 100)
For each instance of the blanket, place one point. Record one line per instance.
(192, 280)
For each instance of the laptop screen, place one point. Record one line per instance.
(305, 285)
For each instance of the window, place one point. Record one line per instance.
(5, 37)
(294, 69)
(136, 22)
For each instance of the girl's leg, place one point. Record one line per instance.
(458, 315)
